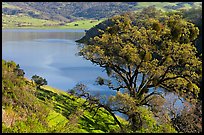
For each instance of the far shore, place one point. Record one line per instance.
(43, 27)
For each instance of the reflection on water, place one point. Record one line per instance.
(52, 55)
(27, 34)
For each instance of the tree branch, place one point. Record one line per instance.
(112, 114)
(134, 77)
(164, 74)
(92, 100)
(172, 78)
(151, 94)
(124, 79)
(144, 84)
(118, 88)
(143, 77)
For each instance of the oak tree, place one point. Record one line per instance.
(143, 52)
(39, 80)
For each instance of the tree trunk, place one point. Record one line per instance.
(135, 121)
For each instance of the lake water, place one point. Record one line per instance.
(52, 55)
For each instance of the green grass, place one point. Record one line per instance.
(25, 21)
(51, 110)
(66, 105)
(11, 21)
(56, 119)
(22, 21)
(46, 109)
(83, 24)
(160, 5)
(6, 5)
(54, 90)
(186, 6)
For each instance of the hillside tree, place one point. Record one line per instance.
(142, 54)
(39, 80)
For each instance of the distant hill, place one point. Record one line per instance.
(67, 11)
(60, 13)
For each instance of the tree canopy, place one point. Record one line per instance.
(142, 52)
(39, 80)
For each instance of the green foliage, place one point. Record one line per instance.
(20, 102)
(157, 46)
(100, 81)
(100, 121)
(154, 45)
(45, 110)
(156, 26)
(6, 129)
(150, 125)
(195, 15)
(58, 15)
(39, 80)
(31, 125)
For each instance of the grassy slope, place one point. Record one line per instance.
(83, 24)
(161, 5)
(27, 109)
(25, 21)
(102, 122)
(6, 5)
(49, 110)
(12, 21)
(21, 21)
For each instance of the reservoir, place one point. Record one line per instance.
(52, 54)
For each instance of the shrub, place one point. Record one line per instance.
(39, 80)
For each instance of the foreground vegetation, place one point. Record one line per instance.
(27, 109)
(141, 52)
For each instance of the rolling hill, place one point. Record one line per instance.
(42, 14)
(27, 109)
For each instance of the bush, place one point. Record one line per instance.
(39, 80)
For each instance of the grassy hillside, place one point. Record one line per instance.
(168, 6)
(27, 109)
(58, 14)
(65, 15)
(20, 21)
(67, 11)
(11, 21)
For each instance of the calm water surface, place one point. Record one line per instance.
(52, 55)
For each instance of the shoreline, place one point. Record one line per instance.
(41, 30)
(45, 28)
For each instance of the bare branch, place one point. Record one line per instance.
(118, 88)
(124, 79)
